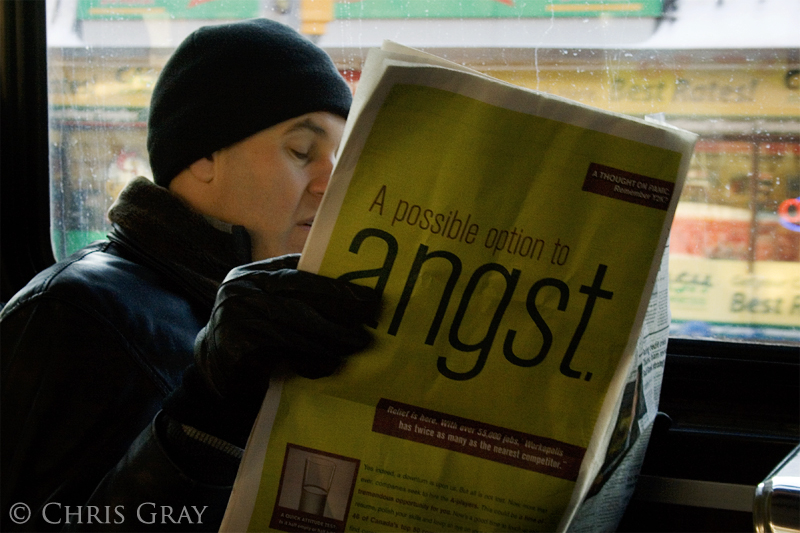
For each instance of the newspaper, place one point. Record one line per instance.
(516, 238)
(614, 484)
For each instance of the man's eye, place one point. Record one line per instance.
(303, 156)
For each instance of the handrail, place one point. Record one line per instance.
(776, 505)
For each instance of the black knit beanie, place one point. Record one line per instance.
(227, 82)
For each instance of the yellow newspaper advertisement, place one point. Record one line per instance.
(515, 238)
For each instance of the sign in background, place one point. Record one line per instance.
(401, 9)
(376, 9)
(723, 291)
(176, 9)
(759, 91)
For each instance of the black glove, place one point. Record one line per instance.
(268, 312)
(265, 313)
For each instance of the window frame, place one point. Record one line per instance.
(719, 377)
(25, 171)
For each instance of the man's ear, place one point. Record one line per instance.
(203, 169)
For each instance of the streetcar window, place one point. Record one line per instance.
(729, 71)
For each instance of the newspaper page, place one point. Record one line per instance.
(615, 483)
(515, 238)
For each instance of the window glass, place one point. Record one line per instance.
(729, 71)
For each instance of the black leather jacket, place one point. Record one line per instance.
(90, 349)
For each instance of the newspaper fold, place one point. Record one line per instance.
(516, 238)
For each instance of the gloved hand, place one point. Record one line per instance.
(269, 311)
(265, 313)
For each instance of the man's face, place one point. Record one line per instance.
(272, 182)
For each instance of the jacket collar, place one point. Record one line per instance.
(166, 234)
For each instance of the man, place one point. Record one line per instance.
(131, 374)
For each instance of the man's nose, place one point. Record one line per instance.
(320, 175)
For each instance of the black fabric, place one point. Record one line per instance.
(92, 346)
(227, 82)
(268, 313)
(95, 347)
(187, 448)
(157, 229)
(194, 403)
(135, 496)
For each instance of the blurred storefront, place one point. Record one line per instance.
(735, 245)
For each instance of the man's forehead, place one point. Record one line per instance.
(308, 123)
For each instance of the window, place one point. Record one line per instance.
(729, 71)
